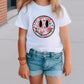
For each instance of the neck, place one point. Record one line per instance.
(42, 2)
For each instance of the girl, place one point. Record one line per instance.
(43, 37)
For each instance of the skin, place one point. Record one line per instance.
(67, 50)
(24, 69)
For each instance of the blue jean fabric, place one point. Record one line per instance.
(48, 63)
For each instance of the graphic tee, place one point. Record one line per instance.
(42, 27)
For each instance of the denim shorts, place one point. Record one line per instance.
(48, 63)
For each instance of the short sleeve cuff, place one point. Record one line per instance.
(22, 19)
(65, 20)
(20, 25)
(65, 23)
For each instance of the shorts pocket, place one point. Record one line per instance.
(57, 57)
(29, 56)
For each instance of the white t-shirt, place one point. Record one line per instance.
(43, 27)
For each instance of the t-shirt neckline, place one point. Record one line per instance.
(40, 6)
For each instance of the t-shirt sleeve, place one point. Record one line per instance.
(65, 20)
(22, 19)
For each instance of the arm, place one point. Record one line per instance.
(23, 70)
(21, 43)
(66, 43)
(66, 48)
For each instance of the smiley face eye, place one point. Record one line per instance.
(40, 23)
(46, 23)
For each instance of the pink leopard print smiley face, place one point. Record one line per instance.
(43, 26)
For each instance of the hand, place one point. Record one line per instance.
(67, 68)
(24, 71)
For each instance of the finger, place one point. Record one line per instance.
(27, 72)
(66, 74)
(26, 76)
(69, 73)
(23, 76)
(64, 71)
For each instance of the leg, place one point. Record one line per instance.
(53, 80)
(36, 79)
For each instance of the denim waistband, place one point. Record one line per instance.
(33, 51)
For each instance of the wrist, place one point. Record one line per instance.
(67, 61)
(67, 58)
(23, 63)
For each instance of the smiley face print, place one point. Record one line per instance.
(43, 26)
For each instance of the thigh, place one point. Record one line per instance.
(53, 80)
(36, 79)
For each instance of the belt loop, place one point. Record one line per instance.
(31, 51)
(50, 54)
